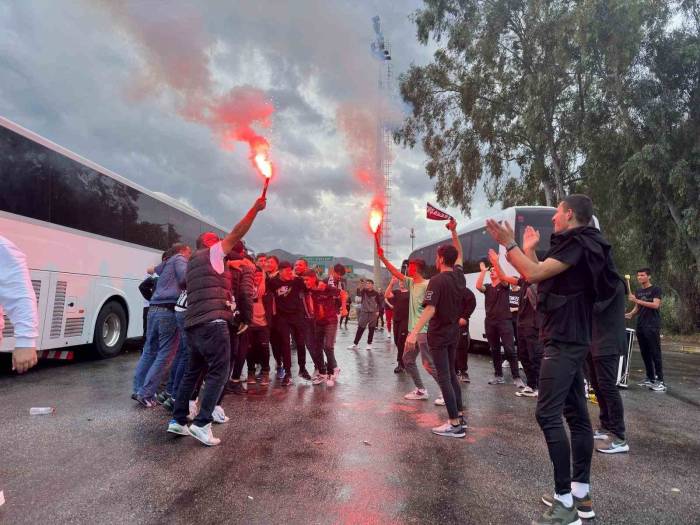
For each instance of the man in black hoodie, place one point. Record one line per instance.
(574, 275)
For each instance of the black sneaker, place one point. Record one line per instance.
(584, 505)
(162, 397)
(304, 374)
(148, 402)
(134, 396)
(398, 369)
(287, 381)
(169, 404)
(235, 387)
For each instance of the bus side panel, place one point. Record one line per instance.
(67, 315)
(40, 282)
(476, 321)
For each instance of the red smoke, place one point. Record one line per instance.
(177, 57)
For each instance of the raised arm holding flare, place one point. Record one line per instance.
(240, 229)
(392, 269)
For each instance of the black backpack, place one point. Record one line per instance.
(147, 287)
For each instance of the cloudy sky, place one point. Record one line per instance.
(125, 87)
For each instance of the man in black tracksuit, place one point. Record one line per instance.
(573, 276)
(499, 325)
(528, 328)
(609, 343)
(399, 299)
(289, 292)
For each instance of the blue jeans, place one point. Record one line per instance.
(181, 358)
(162, 341)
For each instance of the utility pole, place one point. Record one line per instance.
(413, 238)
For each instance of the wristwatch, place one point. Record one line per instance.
(512, 244)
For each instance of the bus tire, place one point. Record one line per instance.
(110, 330)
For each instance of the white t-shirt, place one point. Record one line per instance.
(216, 257)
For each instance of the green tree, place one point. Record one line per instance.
(536, 99)
(509, 91)
(649, 155)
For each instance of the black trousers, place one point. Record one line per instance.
(259, 348)
(561, 392)
(275, 343)
(400, 335)
(649, 340)
(346, 317)
(530, 354)
(145, 322)
(444, 360)
(462, 358)
(241, 355)
(603, 376)
(209, 355)
(291, 326)
(497, 333)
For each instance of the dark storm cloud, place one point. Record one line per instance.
(68, 74)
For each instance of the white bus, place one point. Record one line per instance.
(89, 236)
(476, 243)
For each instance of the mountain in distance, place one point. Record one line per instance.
(359, 268)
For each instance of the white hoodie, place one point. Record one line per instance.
(17, 295)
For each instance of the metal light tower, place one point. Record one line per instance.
(381, 50)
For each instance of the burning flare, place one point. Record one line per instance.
(263, 164)
(375, 220)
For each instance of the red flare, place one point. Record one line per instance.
(375, 219)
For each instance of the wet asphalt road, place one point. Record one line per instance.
(353, 454)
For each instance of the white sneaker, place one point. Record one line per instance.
(219, 415)
(204, 435)
(439, 402)
(318, 379)
(176, 428)
(332, 377)
(518, 383)
(369, 347)
(417, 394)
(352, 347)
(194, 410)
(524, 392)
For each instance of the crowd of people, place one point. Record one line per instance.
(214, 310)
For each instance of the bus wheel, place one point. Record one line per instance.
(110, 330)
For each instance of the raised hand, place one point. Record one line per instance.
(451, 225)
(493, 258)
(260, 204)
(531, 238)
(482, 266)
(501, 232)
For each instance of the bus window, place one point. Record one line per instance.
(481, 244)
(84, 199)
(149, 226)
(541, 220)
(26, 187)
